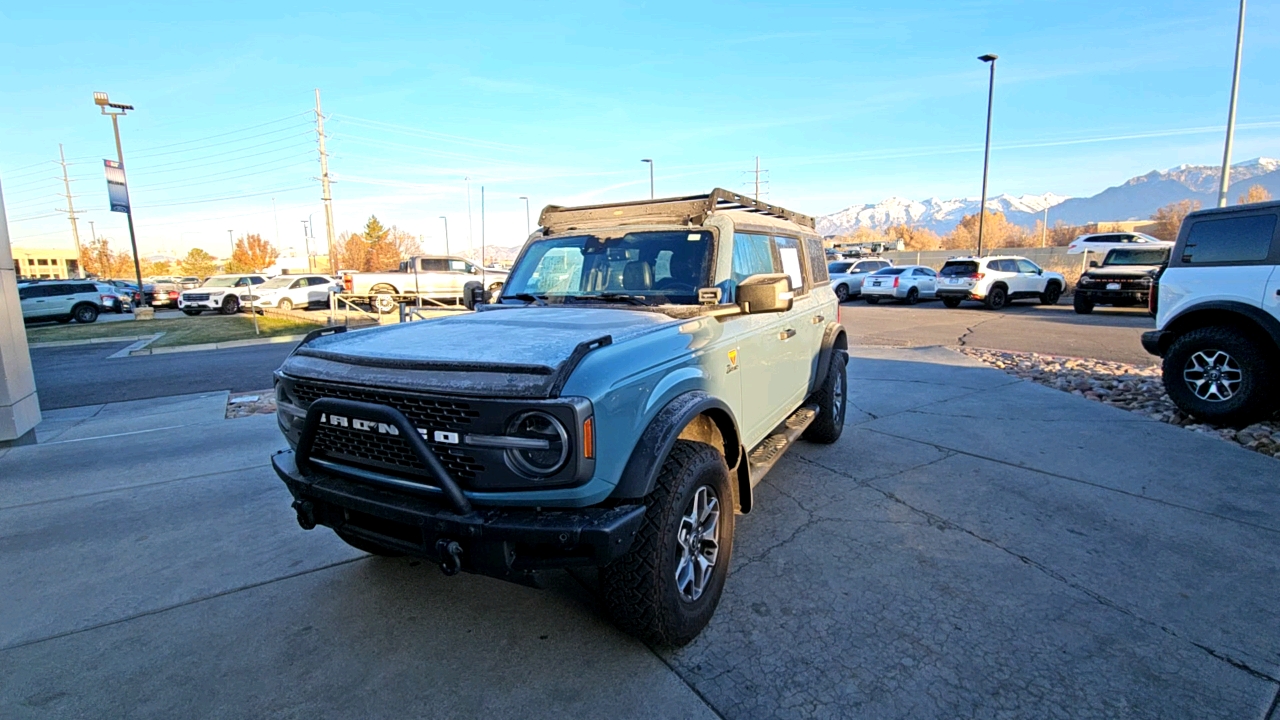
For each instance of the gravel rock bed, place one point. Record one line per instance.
(1130, 387)
(259, 402)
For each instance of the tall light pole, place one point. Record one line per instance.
(1231, 113)
(528, 230)
(116, 110)
(231, 238)
(306, 242)
(986, 153)
(471, 243)
(446, 234)
(650, 161)
(482, 226)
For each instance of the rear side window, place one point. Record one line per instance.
(959, 269)
(817, 258)
(1230, 240)
(889, 271)
(86, 288)
(792, 257)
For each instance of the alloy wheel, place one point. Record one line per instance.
(698, 536)
(1213, 375)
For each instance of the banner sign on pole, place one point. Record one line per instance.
(117, 189)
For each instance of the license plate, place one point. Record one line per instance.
(876, 283)
(954, 281)
(1113, 286)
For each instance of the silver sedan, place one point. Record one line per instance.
(909, 283)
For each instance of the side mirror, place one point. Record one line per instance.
(478, 296)
(765, 293)
(1093, 263)
(1039, 271)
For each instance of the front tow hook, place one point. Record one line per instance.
(451, 551)
(306, 514)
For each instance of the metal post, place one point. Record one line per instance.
(446, 234)
(1044, 229)
(231, 238)
(306, 243)
(528, 228)
(482, 233)
(71, 212)
(986, 153)
(757, 195)
(650, 162)
(133, 238)
(1231, 113)
(471, 243)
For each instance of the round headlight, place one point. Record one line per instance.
(552, 447)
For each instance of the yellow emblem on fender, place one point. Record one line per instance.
(733, 360)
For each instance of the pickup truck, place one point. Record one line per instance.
(430, 277)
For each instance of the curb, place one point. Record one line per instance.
(218, 346)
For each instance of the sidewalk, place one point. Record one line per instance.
(975, 545)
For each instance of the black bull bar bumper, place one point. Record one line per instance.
(442, 525)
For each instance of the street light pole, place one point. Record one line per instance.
(528, 230)
(231, 238)
(1231, 113)
(100, 99)
(650, 161)
(446, 234)
(306, 243)
(986, 153)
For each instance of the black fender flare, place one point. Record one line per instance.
(1203, 314)
(834, 339)
(655, 443)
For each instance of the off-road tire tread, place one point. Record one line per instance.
(629, 586)
(1045, 298)
(826, 428)
(1081, 304)
(1261, 398)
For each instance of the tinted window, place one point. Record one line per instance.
(792, 261)
(1008, 266)
(1126, 256)
(256, 280)
(1102, 238)
(433, 265)
(959, 268)
(889, 271)
(839, 267)
(55, 290)
(1027, 266)
(752, 255)
(817, 270)
(27, 292)
(1237, 239)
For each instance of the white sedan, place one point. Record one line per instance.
(287, 292)
(847, 276)
(1103, 242)
(908, 283)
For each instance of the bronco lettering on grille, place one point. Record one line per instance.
(450, 438)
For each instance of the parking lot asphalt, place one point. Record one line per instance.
(83, 375)
(953, 555)
(1106, 334)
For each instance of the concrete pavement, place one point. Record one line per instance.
(973, 546)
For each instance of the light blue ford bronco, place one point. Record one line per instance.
(644, 367)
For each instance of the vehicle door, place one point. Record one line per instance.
(808, 318)
(926, 282)
(1031, 275)
(58, 299)
(760, 352)
(1007, 272)
(316, 290)
(33, 301)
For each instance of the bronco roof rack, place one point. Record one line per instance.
(692, 209)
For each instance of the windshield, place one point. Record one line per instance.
(839, 267)
(1136, 257)
(276, 283)
(659, 267)
(889, 271)
(958, 269)
(221, 282)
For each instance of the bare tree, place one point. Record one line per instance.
(1168, 219)
(1255, 194)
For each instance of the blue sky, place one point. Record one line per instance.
(559, 102)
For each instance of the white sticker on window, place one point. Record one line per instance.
(791, 266)
(694, 237)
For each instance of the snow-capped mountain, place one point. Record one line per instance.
(937, 215)
(1135, 199)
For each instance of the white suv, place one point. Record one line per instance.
(1218, 315)
(1103, 242)
(997, 280)
(63, 301)
(224, 293)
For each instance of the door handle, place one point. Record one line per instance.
(786, 334)
(818, 319)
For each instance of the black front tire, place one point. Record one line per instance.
(913, 296)
(1051, 294)
(951, 302)
(1081, 304)
(191, 311)
(368, 546)
(1253, 397)
(85, 313)
(833, 400)
(842, 293)
(872, 300)
(230, 306)
(640, 591)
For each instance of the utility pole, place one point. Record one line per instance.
(71, 212)
(650, 162)
(92, 233)
(324, 184)
(528, 230)
(986, 153)
(446, 234)
(757, 195)
(471, 243)
(1231, 113)
(482, 226)
(231, 238)
(306, 242)
(1044, 229)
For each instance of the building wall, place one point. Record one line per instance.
(53, 263)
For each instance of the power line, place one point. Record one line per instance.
(225, 158)
(204, 179)
(196, 201)
(431, 134)
(220, 144)
(224, 134)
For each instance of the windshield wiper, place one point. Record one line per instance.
(529, 298)
(612, 297)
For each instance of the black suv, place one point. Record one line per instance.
(1123, 279)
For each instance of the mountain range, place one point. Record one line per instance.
(1135, 199)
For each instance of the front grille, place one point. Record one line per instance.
(196, 297)
(389, 452)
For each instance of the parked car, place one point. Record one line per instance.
(114, 299)
(188, 282)
(995, 281)
(1102, 242)
(164, 292)
(435, 277)
(1123, 279)
(619, 421)
(139, 298)
(847, 275)
(224, 293)
(908, 283)
(286, 292)
(1218, 315)
(62, 301)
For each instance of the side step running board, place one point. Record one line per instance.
(762, 457)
